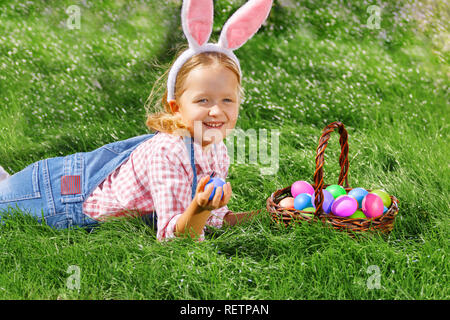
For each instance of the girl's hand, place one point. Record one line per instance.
(202, 195)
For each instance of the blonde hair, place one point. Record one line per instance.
(162, 118)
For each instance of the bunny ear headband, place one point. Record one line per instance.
(197, 23)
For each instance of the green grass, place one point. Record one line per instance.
(64, 91)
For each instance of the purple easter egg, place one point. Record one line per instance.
(328, 200)
(372, 205)
(299, 187)
(344, 206)
(302, 201)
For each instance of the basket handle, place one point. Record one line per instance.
(343, 161)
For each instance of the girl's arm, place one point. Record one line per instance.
(193, 220)
(233, 218)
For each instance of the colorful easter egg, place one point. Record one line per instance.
(372, 205)
(358, 215)
(336, 190)
(384, 196)
(344, 206)
(217, 182)
(309, 209)
(328, 200)
(358, 194)
(287, 203)
(302, 201)
(299, 187)
(385, 210)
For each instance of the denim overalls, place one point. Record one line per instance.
(54, 189)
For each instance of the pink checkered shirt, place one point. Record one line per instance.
(158, 177)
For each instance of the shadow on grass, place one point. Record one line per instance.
(263, 240)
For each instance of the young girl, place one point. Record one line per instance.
(161, 176)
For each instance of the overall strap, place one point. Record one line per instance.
(97, 165)
(189, 142)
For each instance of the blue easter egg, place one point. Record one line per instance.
(327, 201)
(358, 194)
(217, 182)
(302, 201)
(385, 209)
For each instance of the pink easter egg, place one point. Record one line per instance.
(287, 203)
(299, 187)
(372, 205)
(344, 206)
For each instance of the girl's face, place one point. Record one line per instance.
(209, 106)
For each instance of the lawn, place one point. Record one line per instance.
(65, 90)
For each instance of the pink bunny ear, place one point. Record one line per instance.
(197, 21)
(244, 23)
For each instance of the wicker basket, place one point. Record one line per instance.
(383, 223)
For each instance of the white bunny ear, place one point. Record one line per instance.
(197, 21)
(244, 23)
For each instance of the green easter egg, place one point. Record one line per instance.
(384, 196)
(358, 215)
(309, 209)
(336, 190)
